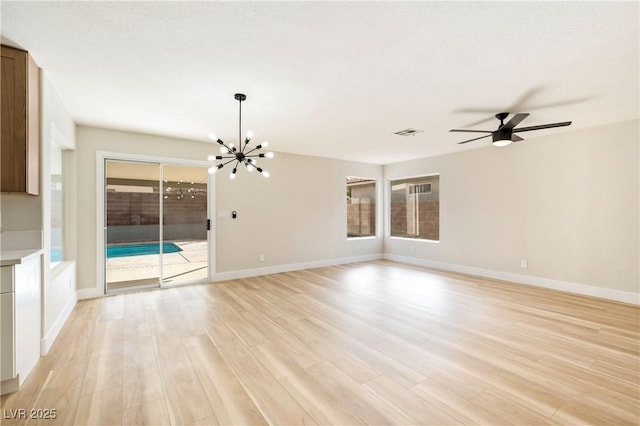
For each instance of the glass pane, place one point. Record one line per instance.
(184, 229)
(57, 206)
(132, 210)
(361, 207)
(415, 208)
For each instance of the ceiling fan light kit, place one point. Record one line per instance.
(504, 135)
(241, 155)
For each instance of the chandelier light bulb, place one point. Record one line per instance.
(265, 173)
(238, 154)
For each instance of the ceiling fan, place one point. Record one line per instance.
(504, 135)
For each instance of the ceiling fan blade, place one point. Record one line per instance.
(519, 104)
(542, 126)
(560, 103)
(515, 120)
(484, 120)
(474, 139)
(471, 131)
(516, 138)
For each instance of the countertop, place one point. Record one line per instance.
(15, 257)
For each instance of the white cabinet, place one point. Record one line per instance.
(19, 320)
(7, 356)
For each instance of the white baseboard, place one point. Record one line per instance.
(47, 341)
(276, 269)
(89, 293)
(10, 385)
(583, 289)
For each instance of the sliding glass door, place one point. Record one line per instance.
(155, 224)
(184, 223)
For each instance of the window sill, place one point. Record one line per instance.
(414, 239)
(60, 267)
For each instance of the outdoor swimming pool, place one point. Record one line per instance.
(126, 250)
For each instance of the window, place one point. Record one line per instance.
(415, 208)
(361, 207)
(57, 205)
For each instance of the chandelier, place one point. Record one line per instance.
(240, 155)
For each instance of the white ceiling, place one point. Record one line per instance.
(335, 79)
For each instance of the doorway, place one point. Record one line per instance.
(156, 224)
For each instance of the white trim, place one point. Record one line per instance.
(47, 341)
(160, 223)
(422, 240)
(211, 217)
(194, 281)
(151, 159)
(89, 293)
(570, 287)
(100, 289)
(387, 201)
(380, 208)
(379, 183)
(276, 269)
(10, 385)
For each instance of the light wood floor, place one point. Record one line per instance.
(367, 343)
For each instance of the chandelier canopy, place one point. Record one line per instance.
(241, 155)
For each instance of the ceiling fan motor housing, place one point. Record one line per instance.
(502, 134)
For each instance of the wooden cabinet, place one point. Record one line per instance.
(20, 144)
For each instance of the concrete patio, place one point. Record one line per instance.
(144, 270)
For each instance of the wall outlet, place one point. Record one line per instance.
(524, 263)
(261, 258)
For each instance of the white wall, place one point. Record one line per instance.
(295, 217)
(59, 289)
(298, 215)
(567, 202)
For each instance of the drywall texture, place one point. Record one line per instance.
(567, 202)
(59, 290)
(296, 215)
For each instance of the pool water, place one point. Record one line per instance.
(140, 249)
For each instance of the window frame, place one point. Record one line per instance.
(377, 208)
(63, 182)
(388, 193)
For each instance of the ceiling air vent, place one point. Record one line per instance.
(408, 132)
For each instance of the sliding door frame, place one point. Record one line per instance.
(101, 157)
